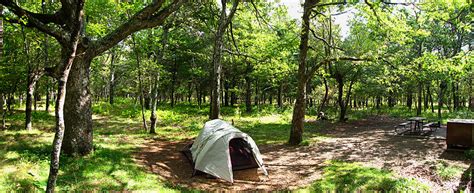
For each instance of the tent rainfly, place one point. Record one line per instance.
(221, 148)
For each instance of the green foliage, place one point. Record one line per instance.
(448, 172)
(350, 177)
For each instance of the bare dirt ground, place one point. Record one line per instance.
(369, 142)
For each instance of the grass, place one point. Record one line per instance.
(24, 155)
(353, 177)
(448, 172)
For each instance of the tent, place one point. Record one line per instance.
(221, 148)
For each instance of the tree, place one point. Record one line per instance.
(224, 20)
(68, 31)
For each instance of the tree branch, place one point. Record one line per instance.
(229, 17)
(324, 41)
(146, 18)
(35, 20)
(313, 69)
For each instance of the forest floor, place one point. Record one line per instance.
(368, 141)
(361, 154)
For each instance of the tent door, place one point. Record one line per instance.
(241, 155)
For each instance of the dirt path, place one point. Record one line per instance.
(365, 141)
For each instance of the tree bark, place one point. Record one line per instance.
(409, 99)
(140, 83)
(420, 92)
(296, 132)
(471, 94)
(224, 21)
(29, 99)
(112, 77)
(340, 100)
(233, 96)
(325, 98)
(279, 97)
(154, 99)
(2, 103)
(48, 94)
(248, 90)
(226, 94)
(442, 87)
(77, 113)
(430, 96)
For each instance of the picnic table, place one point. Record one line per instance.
(418, 122)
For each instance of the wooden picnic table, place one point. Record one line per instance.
(418, 122)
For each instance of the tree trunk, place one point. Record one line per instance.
(442, 87)
(248, 92)
(29, 99)
(430, 96)
(2, 103)
(409, 99)
(471, 95)
(112, 77)
(60, 122)
(455, 96)
(153, 105)
(255, 99)
(325, 98)
(296, 132)
(279, 98)
(340, 101)
(140, 83)
(224, 21)
(156, 78)
(30, 82)
(77, 113)
(48, 94)
(226, 93)
(420, 92)
(233, 96)
(426, 99)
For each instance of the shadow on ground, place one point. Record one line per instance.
(366, 141)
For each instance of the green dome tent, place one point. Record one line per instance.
(221, 148)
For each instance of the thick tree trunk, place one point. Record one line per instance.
(77, 113)
(296, 132)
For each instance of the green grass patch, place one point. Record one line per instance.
(448, 172)
(352, 177)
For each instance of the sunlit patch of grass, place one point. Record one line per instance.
(351, 177)
(448, 172)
